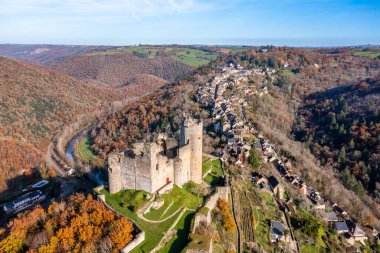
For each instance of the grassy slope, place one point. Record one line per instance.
(179, 242)
(216, 173)
(154, 232)
(206, 164)
(180, 198)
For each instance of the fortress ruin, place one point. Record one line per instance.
(152, 166)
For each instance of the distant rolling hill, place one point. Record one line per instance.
(45, 54)
(118, 70)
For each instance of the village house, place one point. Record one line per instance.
(276, 186)
(341, 227)
(331, 217)
(339, 210)
(277, 231)
(357, 232)
(258, 178)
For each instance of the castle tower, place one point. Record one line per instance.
(191, 134)
(182, 166)
(114, 173)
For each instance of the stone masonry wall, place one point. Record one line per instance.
(182, 166)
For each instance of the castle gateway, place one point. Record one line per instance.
(151, 166)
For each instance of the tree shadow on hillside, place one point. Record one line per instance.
(182, 236)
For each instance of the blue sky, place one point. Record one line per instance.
(248, 22)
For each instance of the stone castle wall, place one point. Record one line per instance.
(182, 166)
(192, 132)
(136, 167)
(162, 168)
(150, 166)
(114, 173)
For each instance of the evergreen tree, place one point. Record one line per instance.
(342, 156)
(352, 144)
(254, 158)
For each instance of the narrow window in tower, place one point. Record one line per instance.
(157, 166)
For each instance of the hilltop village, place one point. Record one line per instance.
(161, 166)
(230, 121)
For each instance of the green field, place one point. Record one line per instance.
(174, 201)
(237, 49)
(366, 53)
(190, 56)
(215, 178)
(148, 52)
(193, 57)
(84, 150)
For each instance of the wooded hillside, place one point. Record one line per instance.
(118, 70)
(342, 127)
(36, 102)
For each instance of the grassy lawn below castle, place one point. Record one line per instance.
(206, 164)
(216, 176)
(173, 201)
(129, 201)
(154, 232)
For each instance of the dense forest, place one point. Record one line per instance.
(79, 224)
(342, 127)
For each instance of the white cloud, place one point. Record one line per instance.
(101, 8)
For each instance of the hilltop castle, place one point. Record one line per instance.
(152, 166)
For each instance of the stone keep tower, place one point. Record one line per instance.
(191, 134)
(114, 173)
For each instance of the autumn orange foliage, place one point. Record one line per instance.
(79, 224)
(228, 221)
